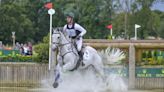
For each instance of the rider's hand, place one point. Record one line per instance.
(78, 37)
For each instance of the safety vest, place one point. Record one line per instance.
(72, 32)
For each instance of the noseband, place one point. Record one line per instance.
(58, 44)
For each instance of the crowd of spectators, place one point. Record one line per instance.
(24, 49)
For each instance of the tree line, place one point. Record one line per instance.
(30, 20)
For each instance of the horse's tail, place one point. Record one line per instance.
(112, 55)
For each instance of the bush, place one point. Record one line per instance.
(16, 58)
(41, 52)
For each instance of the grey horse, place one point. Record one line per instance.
(68, 58)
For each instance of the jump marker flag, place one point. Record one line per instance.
(136, 26)
(48, 5)
(110, 27)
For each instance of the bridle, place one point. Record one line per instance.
(59, 45)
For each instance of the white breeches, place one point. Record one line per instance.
(79, 43)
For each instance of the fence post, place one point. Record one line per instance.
(131, 66)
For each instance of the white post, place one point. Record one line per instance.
(135, 34)
(50, 12)
(49, 67)
(13, 36)
(111, 31)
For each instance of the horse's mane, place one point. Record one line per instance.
(60, 29)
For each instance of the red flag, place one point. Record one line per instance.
(109, 26)
(48, 5)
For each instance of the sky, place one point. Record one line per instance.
(158, 6)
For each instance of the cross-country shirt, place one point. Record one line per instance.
(74, 30)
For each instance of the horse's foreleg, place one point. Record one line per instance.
(57, 76)
(57, 72)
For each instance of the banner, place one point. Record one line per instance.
(150, 72)
(9, 52)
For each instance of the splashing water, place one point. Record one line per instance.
(88, 81)
(78, 81)
(112, 55)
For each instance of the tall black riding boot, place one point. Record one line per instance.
(81, 57)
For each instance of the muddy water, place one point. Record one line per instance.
(24, 89)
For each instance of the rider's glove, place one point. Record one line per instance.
(78, 37)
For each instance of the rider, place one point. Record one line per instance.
(74, 31)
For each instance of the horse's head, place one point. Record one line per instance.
(56, 37)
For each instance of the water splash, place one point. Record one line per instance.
(88, 80)
(112, 55)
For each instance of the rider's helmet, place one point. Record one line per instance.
(70, 14)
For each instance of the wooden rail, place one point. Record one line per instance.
(102, 43)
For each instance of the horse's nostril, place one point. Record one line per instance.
(53, 49)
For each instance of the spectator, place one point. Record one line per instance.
(30, 48)
(17, 46)
(21, 49)
(26, 49)
(1, 45)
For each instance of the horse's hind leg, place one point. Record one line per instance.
(99, 69)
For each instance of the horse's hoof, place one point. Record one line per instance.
(82, 64)
(55, 84)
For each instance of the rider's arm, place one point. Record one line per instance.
(64, 28)
(81, 29)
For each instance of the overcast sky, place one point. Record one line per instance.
(158, 6)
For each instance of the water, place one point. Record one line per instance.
(24, 89)
(84, 81)
(88, 80)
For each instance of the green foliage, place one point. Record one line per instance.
(41, 51)
(14, 19)
(16, 58)
(30, 20)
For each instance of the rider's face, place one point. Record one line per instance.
(69, 20)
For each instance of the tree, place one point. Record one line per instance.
(14, 19)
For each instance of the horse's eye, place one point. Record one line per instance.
(58, 37)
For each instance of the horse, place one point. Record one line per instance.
(68, 58)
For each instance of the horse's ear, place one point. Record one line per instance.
(60, 29)
(57, 29)
(53, 30)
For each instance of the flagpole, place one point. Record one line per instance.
(50, 51)
(111, 32)
(135, 33)
(50, 12)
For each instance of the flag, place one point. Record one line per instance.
(109, 26)
(48, 5)
(137, 26)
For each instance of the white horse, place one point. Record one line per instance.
(68, 58)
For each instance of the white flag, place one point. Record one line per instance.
(137, 26)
